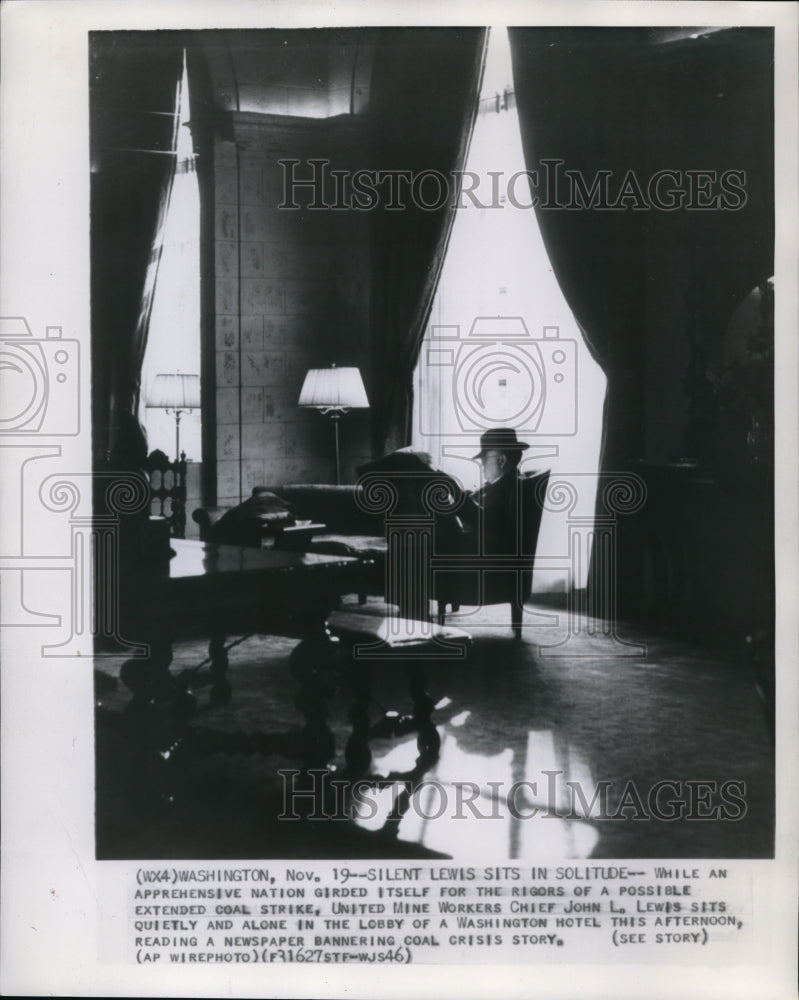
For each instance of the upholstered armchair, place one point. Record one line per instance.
(435, 552)
(485, 568)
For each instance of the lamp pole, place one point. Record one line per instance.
(178, 414)
(333, 392)
(335, 416)
(175, 393)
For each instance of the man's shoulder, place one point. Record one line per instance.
(500, 490)
(509, 482)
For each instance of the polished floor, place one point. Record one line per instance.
(568, 744)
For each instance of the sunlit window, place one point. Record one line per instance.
(502, 347)
(173, 339)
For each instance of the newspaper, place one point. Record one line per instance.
(525, 853)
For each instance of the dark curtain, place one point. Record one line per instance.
(576, 104)
(639, 279)
(133, 80)
(613, 99)
(423, 106)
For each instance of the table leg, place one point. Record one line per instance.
(148, 678)
(221, 690)
(313, 664)
(428, 740)
(157, 723)
(357, 752)
(516, 617)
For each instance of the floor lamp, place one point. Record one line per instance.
(333, 391)
(178, 393)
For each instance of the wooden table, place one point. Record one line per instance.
(374, 638)
(369, 640)
(219, 590)
(216, 591)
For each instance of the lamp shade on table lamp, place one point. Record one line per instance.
(333, 391)
(178, 393)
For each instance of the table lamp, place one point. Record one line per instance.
(178, 393)
(333, 391)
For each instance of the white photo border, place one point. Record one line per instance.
(53, 891)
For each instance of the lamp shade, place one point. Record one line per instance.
(175, 392)
(334, 389)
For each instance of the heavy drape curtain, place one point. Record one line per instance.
(577, 105)
(644, 283)
(133, 88)
(610, 99)
(142, 328)
(423, 107)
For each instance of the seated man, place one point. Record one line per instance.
(491, 513)
(501, 519)
(483, 522)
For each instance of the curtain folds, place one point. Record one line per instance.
(423, 107)
(653, 286)
(139, 340)
(609, 103)
(578, 110)
(134, 80)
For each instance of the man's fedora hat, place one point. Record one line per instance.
(500, 439)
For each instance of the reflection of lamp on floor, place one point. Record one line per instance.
(178, 393)
(334, 391)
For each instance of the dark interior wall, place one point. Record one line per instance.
(709, 107)
(287, 288)
(291, 293)
(707, 551)
(707, 533)
(291, 288)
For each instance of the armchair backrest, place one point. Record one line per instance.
(533, 489)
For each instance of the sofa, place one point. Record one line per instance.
(314, 517)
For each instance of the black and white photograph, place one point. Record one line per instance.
(399, 485)
(336, 273)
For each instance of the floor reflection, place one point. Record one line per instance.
(513, 803)
(516, 728)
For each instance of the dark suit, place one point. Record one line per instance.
(490, 515)
(501, 520)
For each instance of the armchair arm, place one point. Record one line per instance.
(247, 529)
(207, 517)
